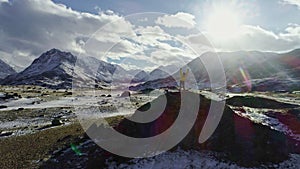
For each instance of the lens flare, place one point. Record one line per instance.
(75, 149)
(246, 77)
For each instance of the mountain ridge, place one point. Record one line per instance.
(266, 71)
(5, 69)
(58, 69)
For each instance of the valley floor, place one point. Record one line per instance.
(37, 126)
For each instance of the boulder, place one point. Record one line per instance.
(56, 122)
(125, 94)
(3, 106)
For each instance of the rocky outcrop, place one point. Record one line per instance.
(239, 139)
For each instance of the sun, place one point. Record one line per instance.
(223, 24)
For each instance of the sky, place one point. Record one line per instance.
(145, 34)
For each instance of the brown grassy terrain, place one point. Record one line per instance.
(29, 151)
(28, 91)
(25, 151)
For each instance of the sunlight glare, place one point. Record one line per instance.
(223, 24)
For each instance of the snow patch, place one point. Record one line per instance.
(195, 159)
(258, 116)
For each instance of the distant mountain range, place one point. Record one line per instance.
(5, 69)
(263, 71)
(158, 73)
(245, 71)
(58, 69)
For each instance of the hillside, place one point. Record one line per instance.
(5, 69)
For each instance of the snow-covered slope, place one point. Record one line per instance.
(52, 69)
(196, 159)
(5, 70)
(244, 70)
(57, 69)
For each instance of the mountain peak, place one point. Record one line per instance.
(53, 50)
(55, 69)
(55, 55)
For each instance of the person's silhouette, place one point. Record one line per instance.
(183, 76)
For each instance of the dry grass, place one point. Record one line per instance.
(27, 150)
(24, 151)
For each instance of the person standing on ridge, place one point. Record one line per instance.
(183, 76)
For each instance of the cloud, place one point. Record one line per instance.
(292, 2)
(180, 20)
(149, 44)
(252, 37)
(33, 26)
(198, 42)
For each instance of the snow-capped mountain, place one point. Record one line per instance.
(52, 69)
(259, 71)
(158, 73)
(264, 71)
(141, 76)
(162, 72)
(5, 69)
(57, 69)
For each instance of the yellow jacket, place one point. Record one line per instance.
(183, 75)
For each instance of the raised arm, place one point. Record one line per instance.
(181, 72)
